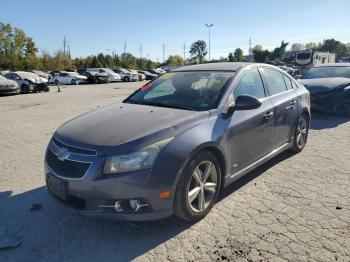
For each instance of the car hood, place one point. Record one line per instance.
(126, 127)
(7, 82)
(322, 85)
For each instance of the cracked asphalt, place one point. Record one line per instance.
(293, 208)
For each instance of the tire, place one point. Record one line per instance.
(126, 79)
(190, 208)
(25, 89)
(46, 89)
(57, 82)
(300, 134)
(73, 82)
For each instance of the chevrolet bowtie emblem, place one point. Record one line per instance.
(63, 154)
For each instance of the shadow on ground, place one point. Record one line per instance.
(322, 121)
(57, 232)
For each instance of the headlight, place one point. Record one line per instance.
(141, 159)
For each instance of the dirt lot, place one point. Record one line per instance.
(294, 208)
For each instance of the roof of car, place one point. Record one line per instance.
(333, 64)
(223, 66)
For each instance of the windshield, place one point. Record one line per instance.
(124, 70)
(73, 73)
(304, 56)
(325, 72)
(108, 71)
(198, 91)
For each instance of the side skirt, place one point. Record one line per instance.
(230, 178)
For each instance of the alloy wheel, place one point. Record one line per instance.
(202, 186)
(301, 133)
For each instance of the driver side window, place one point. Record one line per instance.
(250, 84)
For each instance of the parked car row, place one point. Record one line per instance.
(36, 80)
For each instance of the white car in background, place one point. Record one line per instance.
(29, 81)
(113, 76)
(69, 78)
(126, 75)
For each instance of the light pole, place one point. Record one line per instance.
(209, 26)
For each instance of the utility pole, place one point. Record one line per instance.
(124, 47)
(163, 52)
(250, 49)
(209, 26)
(64, 45)
(148, 56)
(140, 51)
(69, 51)
(184, 53)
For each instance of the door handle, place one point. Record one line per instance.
(291, 105)
(268, 114)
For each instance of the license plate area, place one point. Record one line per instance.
(57, 186)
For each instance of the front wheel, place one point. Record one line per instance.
(300, 134)
(198, 187)
(74, 82)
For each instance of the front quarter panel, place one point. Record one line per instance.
(175, 156)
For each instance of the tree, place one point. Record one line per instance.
(238, 55)
(334, 46)
(296, 47)
(174, 60)
(198, 51)
(257, 48)
(261, 56)
(278, 52)
(230, 57)
(311, 45)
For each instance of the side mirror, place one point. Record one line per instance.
(245, 102)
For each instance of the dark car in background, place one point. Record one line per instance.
(173, 144)
(329, 86)
(149, 76)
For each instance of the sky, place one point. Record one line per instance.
(92, 27)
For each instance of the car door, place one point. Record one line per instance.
(250, 131)
(284, 102)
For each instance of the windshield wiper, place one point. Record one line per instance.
(167, 105)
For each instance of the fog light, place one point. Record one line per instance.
(136, 204)
(118, 207)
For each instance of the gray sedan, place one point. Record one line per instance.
(8, 86)
(172, 145)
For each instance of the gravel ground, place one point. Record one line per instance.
(294, 208)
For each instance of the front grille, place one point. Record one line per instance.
(75, 149)
(66, 168)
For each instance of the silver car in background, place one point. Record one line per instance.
(8, 86)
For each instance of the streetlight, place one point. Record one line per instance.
(209, 26)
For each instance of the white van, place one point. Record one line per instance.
(308, 58)
(113, 77)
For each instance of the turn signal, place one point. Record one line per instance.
(164, 194)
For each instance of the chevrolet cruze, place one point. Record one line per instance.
(174, 144)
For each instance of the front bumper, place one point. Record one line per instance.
(95, 194)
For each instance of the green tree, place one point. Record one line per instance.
(198, 51)
(127, 60)
(296, 47)
(311, 45)
(230, 57)
(174, 60)
(238, 55)
(334, 46)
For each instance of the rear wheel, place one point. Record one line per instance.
(126, 79)
(198, 187)
(73, 82)
(25, 89)
(300, 134)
